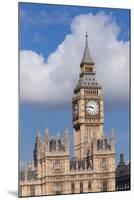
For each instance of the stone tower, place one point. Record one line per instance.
(88, 117)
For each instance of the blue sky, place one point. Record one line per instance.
(42, 29)
(51, 30)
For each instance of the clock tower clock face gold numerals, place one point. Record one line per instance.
(92, 107)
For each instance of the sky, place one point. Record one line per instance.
(51, 41)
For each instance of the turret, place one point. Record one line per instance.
(39, 138)
(112, 139)
(58, 138)
(121, 160)
(37, 150)
(47, 139)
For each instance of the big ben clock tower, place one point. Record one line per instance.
(93, 167)
(88, 109)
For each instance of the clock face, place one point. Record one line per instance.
(92, 107)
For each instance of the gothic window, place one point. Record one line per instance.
(32, 190)
(81, 187)
(58, 188)
(89, 185)
(104, 186)
(73, 187)
(103, 164)
(57, 166)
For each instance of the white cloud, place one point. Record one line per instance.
(52, 81)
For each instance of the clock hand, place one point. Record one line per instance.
(91, 107)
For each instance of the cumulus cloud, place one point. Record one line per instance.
(52, 81)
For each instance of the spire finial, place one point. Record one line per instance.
(66, 130)
(86, 39)
(112, 129)
(86, 34)
(39, 134)
(47, 130)
(39, 137)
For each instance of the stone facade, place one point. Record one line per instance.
(93, 167)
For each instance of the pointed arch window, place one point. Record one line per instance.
(58, 188)
(89, 185)
(32, 190)
(57, 166)
(103, 164)
(73, 187)
(81, 187)
(104, 186)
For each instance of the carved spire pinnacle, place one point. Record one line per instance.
(87, 59)
(121, 159)
(47, 133)
(47, 138)
(39, 137)
(112, 138)
(112, 133)
(66, 138)
(66, 131)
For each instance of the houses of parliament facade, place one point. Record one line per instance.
(92, 169)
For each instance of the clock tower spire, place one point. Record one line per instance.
(87, 59)
(87, 106)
